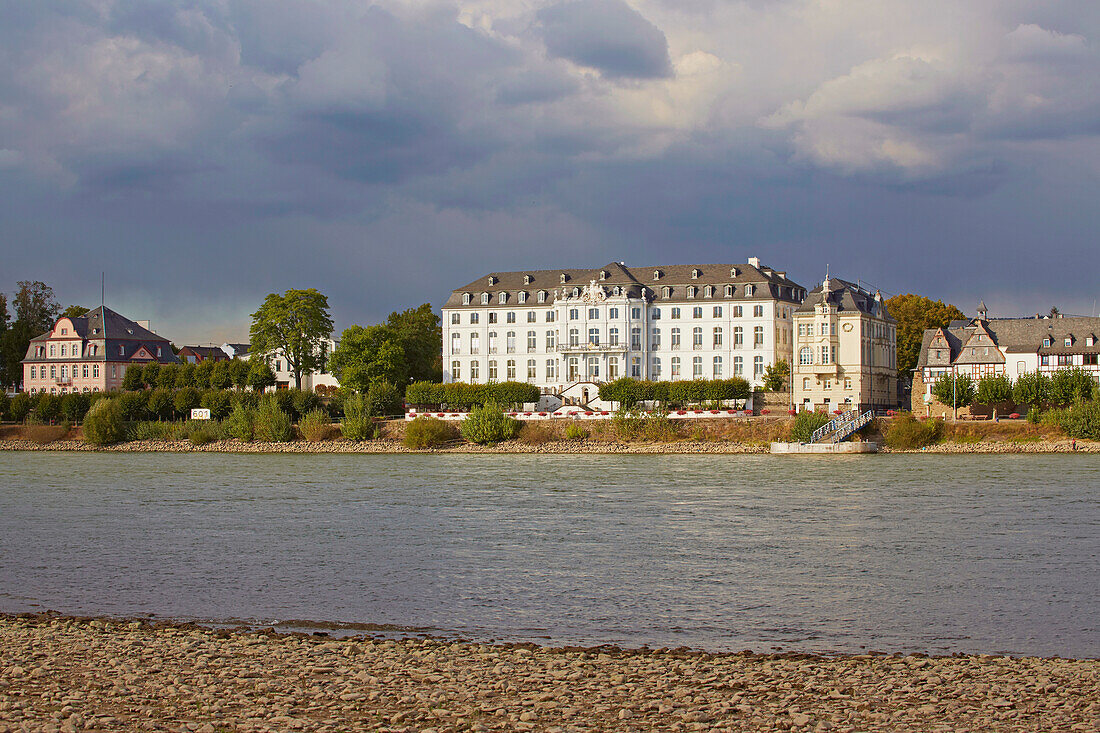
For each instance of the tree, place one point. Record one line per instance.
(238, 372)
(48, 407)
(296, 324)
(420, 333)
(1071, 385)
(993, 389)
(260, 375)
(915, 314)
(159, 403)
(367, 355)
(132, 379)
(959, 391)
(74, 311)
(776, 376)
(220, 377)
(150, 373)
(35, 305)
(203, 371)
(166, 376)
(1031, 389)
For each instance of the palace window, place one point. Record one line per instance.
(522, 296)
(736, 311)
(492, 317)
(613, 367)
(635, 367)
(635, 313)
(465, 299)
(576, 292)
(456, 343)
(593, 314)
(750, 290)
(697, 312)
(594, 367)
(551, 339)
(532, 341)
(691, 291)
(697, 338)
(574, 337)
(456, 318)
(716, 312)
(503, 298)
(53, 372)
(95, 372)
(656, 367)
(84, 371)
(33, 372)
(636, 339)
(574, 314)
(531, 369)
(806, 355)
(551, 369)
(613, 337)
(492, 370)
(758, 311)
(716, 370)
(758, 337)
(551, 316)
(492, 342)
(717, 336)
(456, 371)
(708, 291)
(697, 367)
(675, 367)
(542, 296)
(666, 292)
(511, 369)
(757, 366)
(729, 291)
(675, 313)
(675, 338)
(485, 298)
(475, 318)
(475, 371)
(656, 336)
(475, 343)
(510, 342)
(594, 336)
(738, 337)
(655, 314)
(532, 317)
(511, 317)
(612, 313)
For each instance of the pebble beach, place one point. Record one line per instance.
(68, 674)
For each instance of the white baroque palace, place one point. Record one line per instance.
(554, 328)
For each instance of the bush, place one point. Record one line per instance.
(488, 424)
(907, 432)
(627, 392)
(219, 402)
(74, 406)
(463, 396)
(634, 425)
(48, 407)
(159, 403)
(805, 423)
(1068, 386)
(154, 431)
(201, 432)
(303, 402)
(315, 426)
(272, 423)
(574, 431)
(5, 403)
(21, 406)
(240, 423)
(104, 423)
(1034, 416)
(357, 424)
(185, 400)
(1082, 420)
(427, 432)
(382, 399)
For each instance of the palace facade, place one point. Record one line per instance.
(554, 328)
(91, 353)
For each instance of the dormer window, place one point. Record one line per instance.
(666, 292)
(542, 296)
(522, 297)
(617, 290)
(695, 274)
(691, 291)
(750, 289)
(503, 297)
(158, 352)
(656, 274)
(121, 350)
(485, 298)
(492, 280)
(95, 330)
(1069, 341)
(708, 291)
(1046, 342)
(729, 291)
(465, 299)
(526, 279)
(564, 277)
(734, 272)
(576, 292)
(604, 274)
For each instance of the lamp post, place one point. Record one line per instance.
(954, 400)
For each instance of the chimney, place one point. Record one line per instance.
(143, 324)
(755, 262)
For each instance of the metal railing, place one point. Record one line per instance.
(832, 425)
(850, 427)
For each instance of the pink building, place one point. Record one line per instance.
(91, 353)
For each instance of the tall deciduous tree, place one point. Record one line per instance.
(35, 305)
(420, 333)
(294, 323)
(368, 355)
(958, 391)
(74, 311)
(915, 314)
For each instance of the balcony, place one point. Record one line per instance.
(63, 381)
(592, 349)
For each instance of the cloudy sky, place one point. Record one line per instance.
(205, 153)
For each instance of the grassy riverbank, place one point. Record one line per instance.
(64, 674)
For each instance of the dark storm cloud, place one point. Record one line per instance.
(607, 35)
(207, 153)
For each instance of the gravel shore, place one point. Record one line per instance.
(63, 674)
(553, 447)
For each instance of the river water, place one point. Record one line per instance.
(935, 553)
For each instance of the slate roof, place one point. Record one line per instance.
(1018, 335)
(108, 329)
(206, 352)
(845, 297)
(635, 281)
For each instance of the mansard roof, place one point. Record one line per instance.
(636, 282)
(111, 329)
(845, 297)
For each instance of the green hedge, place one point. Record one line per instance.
(463, 396)
(627, 392)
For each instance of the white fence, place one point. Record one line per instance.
(577, 413)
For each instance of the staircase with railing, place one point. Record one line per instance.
(844, 425)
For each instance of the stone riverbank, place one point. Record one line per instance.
(63, 675)
(512, 446)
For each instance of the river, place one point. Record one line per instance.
(934, 553)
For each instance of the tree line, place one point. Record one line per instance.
(1036, 389)
(627, 391)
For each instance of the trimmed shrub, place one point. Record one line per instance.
(357, 424)
(159, 404)
(74, 406)
(240, 423)
(185, 400)
(574, 431)
(906, 432)
(315, 426)
(21, 406)
(272, 423)
(48, 407)
(805, 423)
(219, 402)
(382, 399)
(104, 424)
(428, 432)
(488, 424)
(627, 392)
(463, 396)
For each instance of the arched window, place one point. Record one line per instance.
(691, 291)
(717, 336)
(675, 367)
(716, 372)
(697, 338)
(503, 297)
(806, 355)
(708, 291)
(729, 291)
(485, 299)
(542, 296)
(697, 367)
(574, 337)
(492, 371)
(666, 292)
(475, 371)
(522, 296)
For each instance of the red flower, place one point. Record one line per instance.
(792, 412)
(765, 411)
